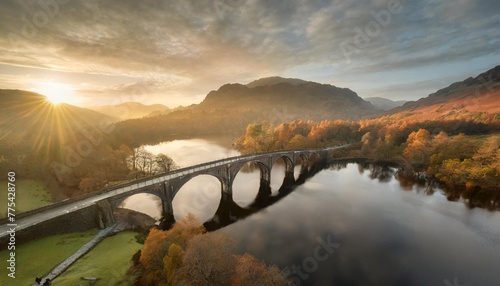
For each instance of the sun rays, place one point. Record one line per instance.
(56, 92)
(51, 128)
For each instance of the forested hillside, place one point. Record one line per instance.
(233, 106)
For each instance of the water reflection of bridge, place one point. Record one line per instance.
(98, 209)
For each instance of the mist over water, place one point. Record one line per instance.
(188, 152)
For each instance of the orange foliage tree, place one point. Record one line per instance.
(186, 255)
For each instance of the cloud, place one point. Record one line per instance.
(211, 42)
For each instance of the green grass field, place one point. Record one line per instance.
(30, 194)
(38, 257)
(108, 261)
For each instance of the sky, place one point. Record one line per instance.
(92, 52)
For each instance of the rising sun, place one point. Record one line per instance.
(56, 92)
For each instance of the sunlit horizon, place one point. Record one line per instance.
(56, 92)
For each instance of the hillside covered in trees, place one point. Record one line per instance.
(233, 106)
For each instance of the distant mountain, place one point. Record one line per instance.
(473, 95)
(384, 103)
(129, 110)
(233, 106)
(306, 100)
(275, 80)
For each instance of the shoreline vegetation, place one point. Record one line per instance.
(461, 155)
(187, 254)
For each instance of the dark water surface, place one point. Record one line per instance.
(349, 224)
(344, 227)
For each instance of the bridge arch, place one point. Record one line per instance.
(313, 163)
(155, 190)
(146, 203)
(200, 195)
(126, 208)
(237, 167)
(248, 185)
(286, 159)
(281, 173)
(300, 166)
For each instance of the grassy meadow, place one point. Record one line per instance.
(30, 194)
(108, 261)
(39, 257)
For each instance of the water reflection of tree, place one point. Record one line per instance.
(472, 197)
(337, 166)
(407, 182)
(383, 173)
(476, 197)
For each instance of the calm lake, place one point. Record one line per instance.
(350, 224)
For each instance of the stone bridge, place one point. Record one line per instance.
(166, 186)
(97, 210)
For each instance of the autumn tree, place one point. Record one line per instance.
(454, 172)
(320, 132)
(185, 255)
(368, 140)
(485, 170)
(298, 142)
(301, 127)
(208, 260)
(283, 134)
(164, 163)
(257, 138)
(143, 162)
(157, 245)
(386, 148)
(88, 184)
(122, 154)
(140, 159)
(250, 271)
(173, 261)
(488, 153)
(418, 148)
